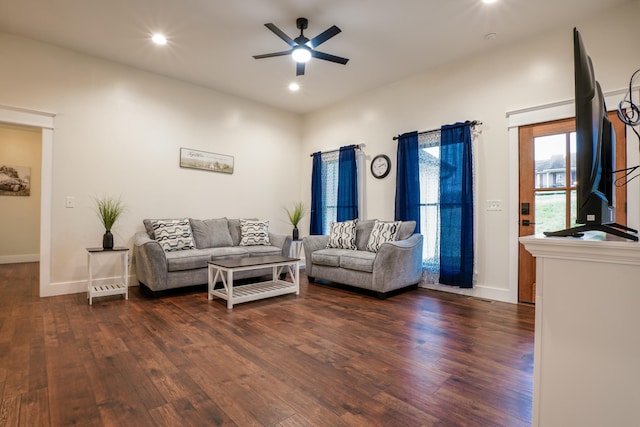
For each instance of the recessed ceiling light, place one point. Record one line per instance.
(488, 1)
(294, 87)
(159, 39)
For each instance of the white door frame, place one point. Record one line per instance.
(546, 113)
(43, 120)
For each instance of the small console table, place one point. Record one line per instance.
(120, 287)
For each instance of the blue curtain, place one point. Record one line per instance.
(456, 206)
(408, 180)
(316, 210)
(347, 184)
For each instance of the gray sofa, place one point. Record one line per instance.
(396, 264)
(219, 238)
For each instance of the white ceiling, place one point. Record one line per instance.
(211, 42)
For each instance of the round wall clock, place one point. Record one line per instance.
(380, 166)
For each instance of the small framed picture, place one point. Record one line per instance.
(15, 180)
(196, 159)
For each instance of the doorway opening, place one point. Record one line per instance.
(20, 178)
(44, 121)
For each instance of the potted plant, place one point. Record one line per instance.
(108, 210)
(295, 215)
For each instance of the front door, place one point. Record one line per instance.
(547, 187)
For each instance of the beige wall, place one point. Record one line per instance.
(118, 132)
(487, 87)
(20, 215)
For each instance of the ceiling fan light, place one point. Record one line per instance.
(301, 54)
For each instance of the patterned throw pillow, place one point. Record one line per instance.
(382, 232)
(254, 232)
(343, 235)
(173, 234)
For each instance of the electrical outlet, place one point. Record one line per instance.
(70, 202)
(494, 205)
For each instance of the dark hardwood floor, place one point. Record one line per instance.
(329, 357)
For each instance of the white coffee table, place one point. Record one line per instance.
(225, 268)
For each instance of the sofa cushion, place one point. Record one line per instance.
(199, 258)
(263, 250)
(363, 231)
(187, 260)
(254, 232)
(234, 230)
(328, 257)
(173, 234)
(382, 232)
(227, 252)
(358, 260)
(211, 233)
(343, 235)
(406, 230)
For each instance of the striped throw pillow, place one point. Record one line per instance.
(254, 232)
(382, 232)
(343, 235)
(173, 234)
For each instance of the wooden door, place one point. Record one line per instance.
(547, 187)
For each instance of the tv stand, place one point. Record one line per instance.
(613, 228)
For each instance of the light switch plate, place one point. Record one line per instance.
(494, 205)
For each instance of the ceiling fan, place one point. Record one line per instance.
(303, 49)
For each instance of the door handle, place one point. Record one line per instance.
(526, 223)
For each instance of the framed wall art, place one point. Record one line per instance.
(196, 159)
(15, 180)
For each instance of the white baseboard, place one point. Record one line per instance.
(483, 292)
(66, 288)
(15, 259)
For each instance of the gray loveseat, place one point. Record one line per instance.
(395, 265)
(159, 269)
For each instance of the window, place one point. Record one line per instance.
(325, 182)
(429, 167)
(435, 187)
(445, 167)
(554, 198)
(329, 189)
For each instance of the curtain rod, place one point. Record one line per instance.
(358, 147)
(472, 123)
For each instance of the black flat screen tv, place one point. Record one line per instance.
(595, 154)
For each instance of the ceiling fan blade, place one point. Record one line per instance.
(278, 32)
(271, 55)
(324, 36)
(327, 57)
(299, 68)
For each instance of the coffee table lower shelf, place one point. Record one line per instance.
(256, 291)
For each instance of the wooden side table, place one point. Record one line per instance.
(120, 287)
